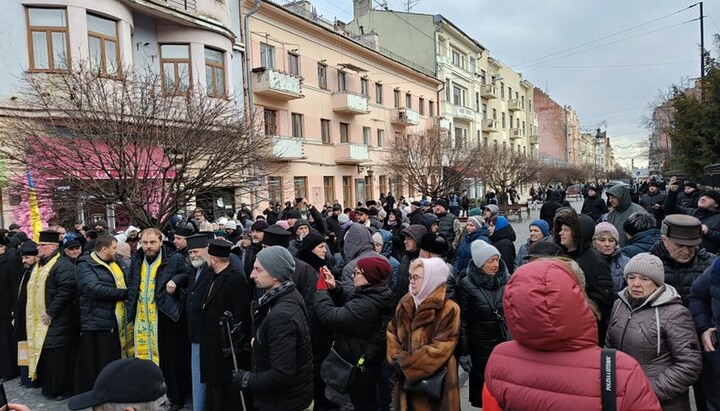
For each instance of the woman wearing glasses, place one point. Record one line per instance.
(422, 337)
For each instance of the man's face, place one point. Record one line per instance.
(361, 218)
(107, 253)
(199, 216)
(180, 242)
(2, 249)
(566, 238)
(150, 244)
(99, 228)
(707, 203)
(257, 236)
(592, 193)
(262, 278)
(678, 252)
(410, 243)
(535, 233)
(61, 230)
(29, 260)
(439, 210)
(74, 253)
(46, 249)
(302, 231)
(689, 190)
(198, 256)
(652, 189)
(614, 201)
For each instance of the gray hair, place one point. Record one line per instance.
(160, 404)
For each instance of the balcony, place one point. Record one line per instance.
(351, 153)
(490, 125)
(442, 123)
(464, 113)
(516, 133)
(277, 84)
(515, 105)
(287, 148)
(488, 91)
(347, 102)
(405, 117)
(535, 139)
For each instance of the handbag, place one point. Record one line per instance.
(608, 394)
(339, 374)
(431, 386)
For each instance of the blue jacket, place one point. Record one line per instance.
(641, 242)
(463, 257)
(705, 308)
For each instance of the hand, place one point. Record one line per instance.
(17, 407)
(704, 229)
(170, 287)
(708, 339)
(46, 319)
(465, 362)
(329, 278)
(241, 379)
(321, 284)
(673, 186)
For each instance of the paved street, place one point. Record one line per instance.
(33, 398)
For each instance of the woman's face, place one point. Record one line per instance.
(391, 217)
(470, 228)
(605, 243)
(566, 237)
(640, 286)
(535, 233)
(417, 276)
(491, 266)
(320, 250)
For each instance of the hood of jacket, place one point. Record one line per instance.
(387, 238)
(556, 196)
(571, 219)
(535, 304)
(622, 193)
(588, 230)
(357, 241)
(503, 233)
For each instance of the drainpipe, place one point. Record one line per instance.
(248, 58)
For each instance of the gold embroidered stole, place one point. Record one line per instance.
(125, 330)
(146, 340)
(36, 330)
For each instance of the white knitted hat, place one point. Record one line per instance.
(648, 265)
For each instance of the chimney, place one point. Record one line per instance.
(361, 8)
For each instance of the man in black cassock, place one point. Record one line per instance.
(10, 270)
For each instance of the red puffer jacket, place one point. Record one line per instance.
(554, 361)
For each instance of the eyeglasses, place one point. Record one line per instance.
(415, 277)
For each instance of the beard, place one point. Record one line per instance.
(197, 263)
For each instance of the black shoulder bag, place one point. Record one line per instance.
(607, 380)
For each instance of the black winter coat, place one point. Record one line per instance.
(594, 207)
(11, 269)
(710, 218)
(193, 305)
(504, 241)
(98, 295)
(358, 319)
(174, 266)
(225, 293)
(282, 373)
(681, 276)
(403, 285)
(705, 308)
(61, 304)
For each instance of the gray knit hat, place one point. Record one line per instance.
(481, 252)
(278, 262)
(477, 221)
(648, 265)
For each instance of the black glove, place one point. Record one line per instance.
(241, 378)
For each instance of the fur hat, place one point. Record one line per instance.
(434, 243)
(648, 265)
(481, 252)
(714, 195)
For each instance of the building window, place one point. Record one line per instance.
(509, 92)
(448, 90)
(484, 111)
(103, 45)
(458, 96)
(378, 93)
(344, 132)
(270, 120)
(380, 138)
(348, 191)
(458, 58)
(502, 90)
(366, 136)
(322, 76)
(293, 64)
(511, 120)
(329, 188)
(396, 98)
(473, 65)
(421, 106)
(342, 81)
(297, 125)
(300, 187)
(494, 114)
(503, 121)
(483, 77)
(530, 105)
(364, 87)
(477, 101)
(267, 56)
(275, 192)
(431, 108)
(408, 100)
(325, 131)
(522, 102)
(215, 72)
(48, 39)
(383, 184)
(175, 63)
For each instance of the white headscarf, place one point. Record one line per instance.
(436, 274)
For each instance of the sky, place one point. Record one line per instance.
(610, 60)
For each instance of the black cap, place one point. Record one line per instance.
(441, 202)
(292, 214)
(259, 225)
(362, 210)
(373, 211)
(209, 234)
(337, 207)
(219, 248)
(130, 380)
(184, 231)
(49, 237)
(29, 248)
(197, 241)
(276, 235)
(416, 204)
(14, 226)
(434, 243)
(73, 244)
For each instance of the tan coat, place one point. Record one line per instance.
(423, 341)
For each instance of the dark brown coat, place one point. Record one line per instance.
(422, 341)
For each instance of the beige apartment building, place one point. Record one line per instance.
(483, 100)
(332, 103)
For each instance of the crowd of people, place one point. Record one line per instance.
(376, 307)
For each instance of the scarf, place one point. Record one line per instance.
(36, 330)
(125, 330)
(146, 339)
(435, 274)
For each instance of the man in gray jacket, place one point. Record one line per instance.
(651, 324)
(622, 207)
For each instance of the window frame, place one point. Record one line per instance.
(103, 53)
(293, 63)
(364, 87)
(367, 136)
(380, 138)
(175, 62)
(346, 137)
(341, 80)
(267, 49)
(48, 30)
(322, 76)
(301, 190)
(297, 122)
(326, 131)
(378, 93)
(214, 66)
(274, 130)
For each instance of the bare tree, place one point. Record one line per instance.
(501, 169)
(126, 141)
(431, 162)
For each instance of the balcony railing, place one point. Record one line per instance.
(464, 112)
(488, 91)
(405, 117)
(490, 124)
(189, 5)
(277, 84)
(516, 133)
(287, 148)
(351, 153)
(348, 102)
(515, 105)
(534, 139)
(442, 123)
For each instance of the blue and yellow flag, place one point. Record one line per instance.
(34, 207)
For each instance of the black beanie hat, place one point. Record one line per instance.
(310, 241)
